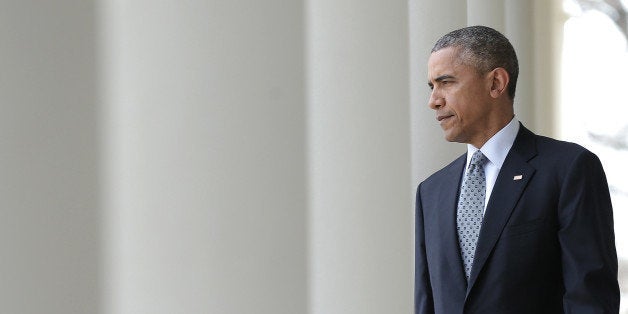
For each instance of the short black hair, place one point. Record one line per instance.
(485, 49)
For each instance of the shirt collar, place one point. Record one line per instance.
(498, 146)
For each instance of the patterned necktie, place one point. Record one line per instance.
(470, 208)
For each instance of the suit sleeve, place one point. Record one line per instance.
(423, 302)
(587, 239)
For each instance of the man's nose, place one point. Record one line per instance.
(436, 100)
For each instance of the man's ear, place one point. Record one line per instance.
(499, 78)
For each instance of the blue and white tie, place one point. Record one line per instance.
(470, 209)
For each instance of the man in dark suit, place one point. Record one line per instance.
(521, 223)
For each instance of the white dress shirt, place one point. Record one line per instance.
(495, 150)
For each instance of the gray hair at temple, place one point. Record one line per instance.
(485, 49)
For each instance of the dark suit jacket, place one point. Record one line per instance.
(546, 244)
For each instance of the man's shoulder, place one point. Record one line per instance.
(559, 149)
(526, 139)
(552, 156)
(548, 143)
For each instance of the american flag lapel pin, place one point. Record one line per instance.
(517, 177)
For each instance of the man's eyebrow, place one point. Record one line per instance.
(440, 79)
(443, 77)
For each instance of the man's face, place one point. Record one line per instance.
(460, 96)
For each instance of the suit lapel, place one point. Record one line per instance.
(448, 234)
(510, 185)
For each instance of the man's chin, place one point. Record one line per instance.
(449, 137)
(454, 139)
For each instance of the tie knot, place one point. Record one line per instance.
(478, 159)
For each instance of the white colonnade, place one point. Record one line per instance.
(223, 157)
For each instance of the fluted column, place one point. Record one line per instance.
(359, 171)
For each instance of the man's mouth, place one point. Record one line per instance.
(442, 118)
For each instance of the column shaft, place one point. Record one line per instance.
(487, 13)
(205, 157)
(49, 174)
(519, 26)
(360, 203)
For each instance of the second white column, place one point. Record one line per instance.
(359, 173)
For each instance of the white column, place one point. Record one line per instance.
(359, 173)
(429, 20)
(547, 49)
(205, 157)
(486, 12)
(519, 26)
(49, 176)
